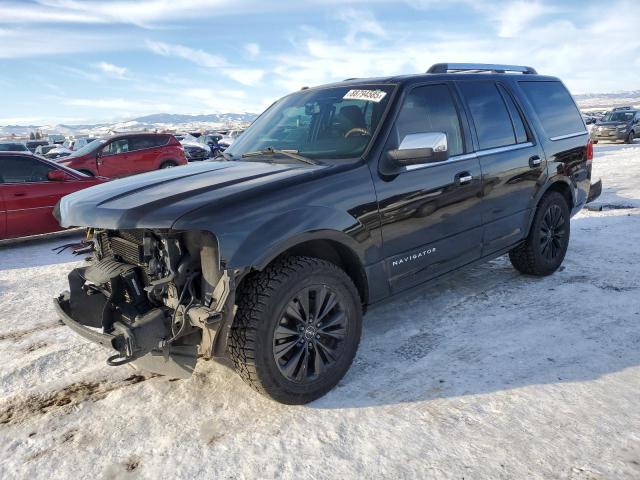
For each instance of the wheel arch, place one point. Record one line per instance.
(331, 246)
(561, 185)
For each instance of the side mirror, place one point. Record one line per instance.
(56, 176)
(417, 148)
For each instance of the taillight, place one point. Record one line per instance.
(589, 151)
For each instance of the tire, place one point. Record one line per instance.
(168, 164)
(630, 137)
(542, 253)
(275, 350)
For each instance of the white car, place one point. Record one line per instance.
(78, 143)
(229, 138)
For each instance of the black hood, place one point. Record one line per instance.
(158, 199)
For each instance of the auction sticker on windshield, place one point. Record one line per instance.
(369, 95)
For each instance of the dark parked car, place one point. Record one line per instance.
(32, 145)
(336, 198)
(13, 147)
(44, 149)
(30, 186)
(211, 140)
(124, 155)
(196, 152)
(621, 123)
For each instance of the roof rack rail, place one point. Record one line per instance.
(479, 67)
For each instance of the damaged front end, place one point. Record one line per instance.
(156, 298)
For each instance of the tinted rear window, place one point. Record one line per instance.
(490, 115)
(555, 108)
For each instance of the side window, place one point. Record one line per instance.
(516, 118)
(489, 113)
(159, 140)
(116, 147)
(430, 109)
(141, 142)
(555, 108)
(23, 170)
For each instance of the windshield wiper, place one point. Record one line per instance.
(287, 153)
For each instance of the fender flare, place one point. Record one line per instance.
(544, 189)
(293, 227)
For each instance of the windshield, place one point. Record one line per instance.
(618, 117)
(12, 147)
(327, 123)
(88, 148)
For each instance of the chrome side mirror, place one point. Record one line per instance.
(417, 148)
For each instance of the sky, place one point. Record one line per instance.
(72, 61)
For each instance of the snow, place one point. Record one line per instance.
(484, 374)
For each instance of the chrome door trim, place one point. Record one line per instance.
(469, 156)
(569, 135)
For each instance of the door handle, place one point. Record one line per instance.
(464, 178)
(20, 194)
(535, 161)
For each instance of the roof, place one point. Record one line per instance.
(467, 74)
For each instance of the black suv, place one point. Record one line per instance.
(622, 123)
(336, 198)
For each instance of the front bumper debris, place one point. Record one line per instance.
(594, 191)
(135, 343)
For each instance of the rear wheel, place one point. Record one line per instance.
(168, 164)
(546, 245)
(296, 330)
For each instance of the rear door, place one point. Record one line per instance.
(143, 152)
(430, 212)
(512, 162)
(29, 197)
(114, 159)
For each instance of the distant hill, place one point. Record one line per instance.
(181, 118)
(608, 100)
(147, 122)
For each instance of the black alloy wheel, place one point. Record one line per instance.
(545, 247)
(296, 329)
(552, 233)
(309, 338)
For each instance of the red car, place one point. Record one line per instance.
(30, 186)
(124, 155)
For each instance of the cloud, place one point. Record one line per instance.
(245, 76)
(21, 42)
(252, 49)
(112, 70)
(515, 16)
(360, 22)
(199, 57)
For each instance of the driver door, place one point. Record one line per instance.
(29, 196)
(430, 211)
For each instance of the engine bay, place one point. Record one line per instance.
(159, 298)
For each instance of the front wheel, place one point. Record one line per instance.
(546, 245)
(296, 330)
(630, 137)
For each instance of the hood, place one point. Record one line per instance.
(194, 144)
(610, 124)
(157, 199)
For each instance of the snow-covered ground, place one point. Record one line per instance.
(486, 374)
